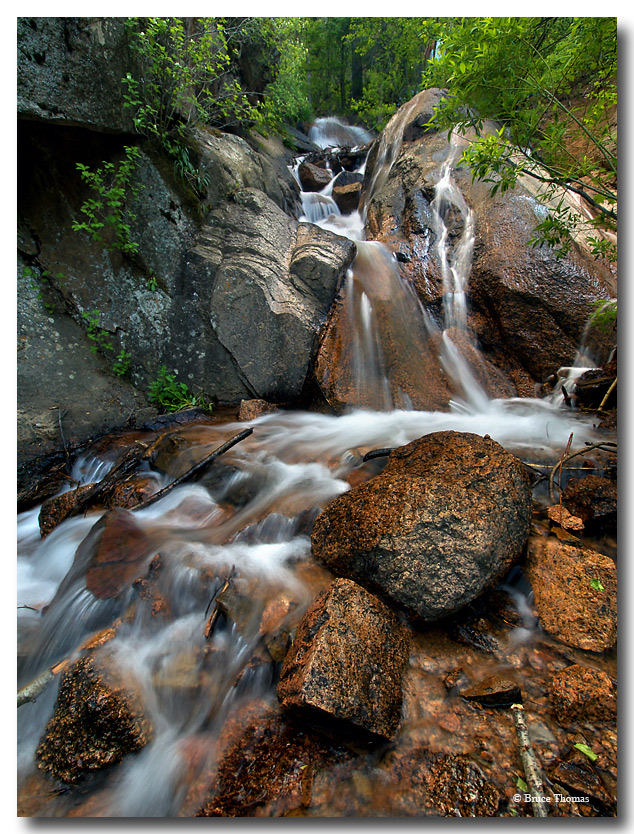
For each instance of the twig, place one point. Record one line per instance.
(31, 691)
(201, 465)
(529, 762)
(606, 445)
(213, 617)
(607, 395)
(376, 453)
(61, 431)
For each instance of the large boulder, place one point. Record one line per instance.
(444, 521)
(575, 591)
(347, 661)
(528, 307)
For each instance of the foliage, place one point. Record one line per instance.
(171, 395)
(101, 343)
(605, 315)
(111, 185)
(39, 280)
(551, 84)
(583, 748)
(596, 585)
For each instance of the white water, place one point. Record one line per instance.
(293, 464)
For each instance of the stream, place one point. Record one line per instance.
(249, 518)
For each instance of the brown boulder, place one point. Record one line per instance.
(593, 499)
(582, 694)
(347, 197)
(313, 178)
(575, 593)
(494, 691)
(347, 661)
(98, 719)
(444, 521)
(56, 509)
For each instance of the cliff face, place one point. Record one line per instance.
(226, 288)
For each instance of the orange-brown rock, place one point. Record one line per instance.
(56, 509)
(347, 661)
(579, 693)
(560, 515)
(493, 691)
(594, 499)
(575, 591)
(98, 719)
(444, 521)
(347, 197)
(251, 409)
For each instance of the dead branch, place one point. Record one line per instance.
(607, 395)
(213, 617)
(196, 468)
(607, 446)
(529, 762)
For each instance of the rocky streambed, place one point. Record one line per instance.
(219, 664)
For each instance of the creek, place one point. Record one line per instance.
(250, 517)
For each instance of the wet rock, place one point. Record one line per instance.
(575, 592)
(252, 409)
(454, 680)
(347, 661)
(268, 771)
(579, 693)
(313, 178)
(560, 515)
(98, 719)
(494, 691)
(56, 509)
(594, 499)
(347, 197)
(576, 774)
(444, 521)
(149, 589)
(592, 387)
(131, 492)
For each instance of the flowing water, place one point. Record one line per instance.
(250, 518)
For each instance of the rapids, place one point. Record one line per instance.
(254, 519)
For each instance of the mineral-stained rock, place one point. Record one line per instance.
(577, 775)
(444, 521)
(494, 691)
(268, 771)
(97, 721)
(251, 409)
(56, 509)
(593, 499)
(582, 694)
(575, 593)
(560, 515)
(347, 197)
(347, 661)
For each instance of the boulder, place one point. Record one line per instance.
(347, 661)
(494, 691)
(252, 409)
(444, 521)
(594, 499)
(579, 693)
(575, 593)
(312, 177)
(98, 719)
(347, 197)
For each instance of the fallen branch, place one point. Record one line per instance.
(32, 690)
(529, 762)
(608, 446)
(197, 468)
(376, 453)
(607, 395)
(213, 617)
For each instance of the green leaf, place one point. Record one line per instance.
(521, 784)
(596, 585)
(583, 748)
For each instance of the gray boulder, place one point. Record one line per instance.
(444, 521)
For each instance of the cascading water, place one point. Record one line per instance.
(252, 522)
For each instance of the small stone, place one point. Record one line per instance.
(454, 679)
(494, 691)
(252, 409)
(560, 515)
(579, 693)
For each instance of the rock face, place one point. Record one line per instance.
(95, 724)
(347, 661)
(575, 593)
(446, 518)
(527, 307)
(226, 289)
(582, 694)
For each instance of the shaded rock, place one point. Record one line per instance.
(98, 719)
(594, 499)
(592, 387)
(56, 509)
(454, 680)
(446, 518)
(313, 178)
(577, 775)
(131, 492)
(494, 691)
(347, 178)
(252, 409)
(268, 771)
(347, 197)
(568, 600)
(582, 694)
(347, 661)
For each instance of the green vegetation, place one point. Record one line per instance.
(101, 343)
(111, 185)
(40, 280)
(583, 748)
(605, 315)
(596, 585)
(172, 396)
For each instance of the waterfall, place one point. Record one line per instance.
(252, 520)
